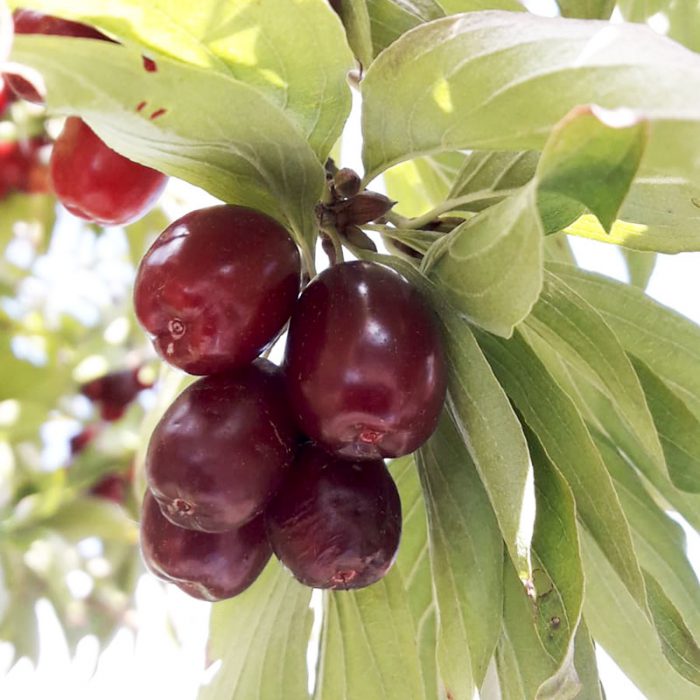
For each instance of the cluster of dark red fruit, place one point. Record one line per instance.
(90, 179)
(254, 458)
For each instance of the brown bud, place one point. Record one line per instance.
(363, 208)
(359, 239)
(336, 5)
(347, 182)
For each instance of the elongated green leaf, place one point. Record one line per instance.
(664, 339)
(476, 71)
(557, 572)
(491, 172)
(660, 214)
(368, 647)
(358, 28)
(490, 268)
(640, 266)
(390, 19)
(220, 134)
(525, 670)
(413, 562)
(677, 641)
(622, 629)
(554, 418)
(452, 7)
(578, 333)
(466, 553)
(601, 413)
(421, 184)
(492, 434)
(261, 638)
(586, 665)
(592, 157)
(247, 40)
(586, 9)
(659, 541)
(489, 176)
(678, 428)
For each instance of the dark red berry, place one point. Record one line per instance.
(205, 565)
(335, 523)
(222, 449)
(114, 392)
(112, 487)
(365, 370)
(31, 22)
(21, 166)
(82, 439)
(6, 96)
(216, 287)
(98, 184)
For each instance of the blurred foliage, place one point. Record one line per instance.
(68, 505)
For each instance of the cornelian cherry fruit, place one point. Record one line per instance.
(364, 364)
(216, 288)
(98, 184)
(205, 565)
(335, 523)
(222, 449)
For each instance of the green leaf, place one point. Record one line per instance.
(592, 157)
(556, 421)
(577, 332)
(557, 572)
(490, 268)
(492, 433)
(659, 541)
(602, 414)
(677, 642)
(665, 340)
(491, 172)
(660, 214)
(625, 632)
(93, 517)
(261, 638)
(452, 7)
(526, 671)
(250, 154)
(640, 266)
(474, 72)
(466, 554)
(586, 665)
(248, 40)
(413, 563)
(355, 17)
(678, 428)
(421, 184)
(392, 18)
(368, 645)
(586, 9)
(489, 176)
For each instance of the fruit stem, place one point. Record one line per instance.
(450, 204)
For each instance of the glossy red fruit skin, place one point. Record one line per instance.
(222, 449)
(98, 184)
(205, 565)
(365, 368)
(31, 22)
(216, 288)
(335, 523)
